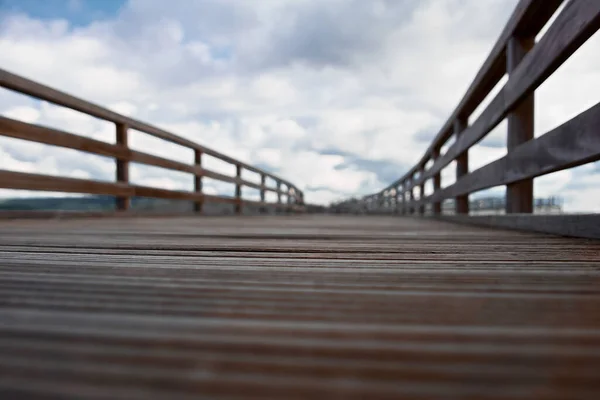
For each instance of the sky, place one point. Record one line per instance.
(340, 97)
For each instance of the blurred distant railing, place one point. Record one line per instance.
(528, 64)
(122, 189)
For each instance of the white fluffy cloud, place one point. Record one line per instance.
(339, 97)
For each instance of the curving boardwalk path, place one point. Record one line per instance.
(295, 307)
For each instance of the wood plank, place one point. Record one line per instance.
(315, 307)
(40, 134)
(520, 128)
(528, 18)
(26, 86)
(574, 143)
(577, 22)
(576, 225)
(28, 181)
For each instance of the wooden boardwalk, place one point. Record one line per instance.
(295, 307)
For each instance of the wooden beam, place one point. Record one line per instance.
(34, 89)
(238, 190)
(123, 203)
(263, 180)
(574, 143)
(519, 195)
(462, 168)
(437, 183)
(577, 22)
(39, 182)
(198, 205)
(528, 18)
(577, 225)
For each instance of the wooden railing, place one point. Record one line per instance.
(528, 64)
(122, 189)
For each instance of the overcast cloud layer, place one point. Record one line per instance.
(340, 96)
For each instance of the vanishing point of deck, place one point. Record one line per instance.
(295, 307)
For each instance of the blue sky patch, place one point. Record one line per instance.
(77, 12)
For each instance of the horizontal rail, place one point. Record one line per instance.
(124, 155)
(28, 87)
(40, 134)
(562, 40)
(574, 143)
(528, 64)
(529, 18)
(39, 182)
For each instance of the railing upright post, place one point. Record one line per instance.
(238, 189)
(411, 204)
(277, 210)
(122, 203)
(198, 205)
(519, 195)
(403, 186)
(437, 183)
(263, 181)
(462, 167)
(421, 191)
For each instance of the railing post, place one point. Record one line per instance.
(277, 210)
(462, 167)
(437, 183)
(198, 205)
(519, 195)
(238, 189)
(122, 203)
(421, 191)
(403, 195)
(263, 181)
(411, 207)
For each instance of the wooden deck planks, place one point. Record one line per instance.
(295, 307)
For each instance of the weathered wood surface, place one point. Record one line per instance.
(37, 90)
(40, 134)
(579, 20)
(528, 19)
(295, 307)
(574, 143)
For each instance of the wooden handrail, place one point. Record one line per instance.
(123, 156)
(528, 65)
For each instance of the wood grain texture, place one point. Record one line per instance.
(574, 143)
(528, 18)
(120, 151)
(295, 307)
(578, 21)
(575, 225)
(26, 86)
(28, 181)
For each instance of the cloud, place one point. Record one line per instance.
(340, 97)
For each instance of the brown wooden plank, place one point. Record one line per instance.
(520, 128)
(574, 143)
(40, 134)
(574, 25)
(123, 203)
(28, 181)
(315, 307)
(26, 86)
(574, 225)
(528, 18)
